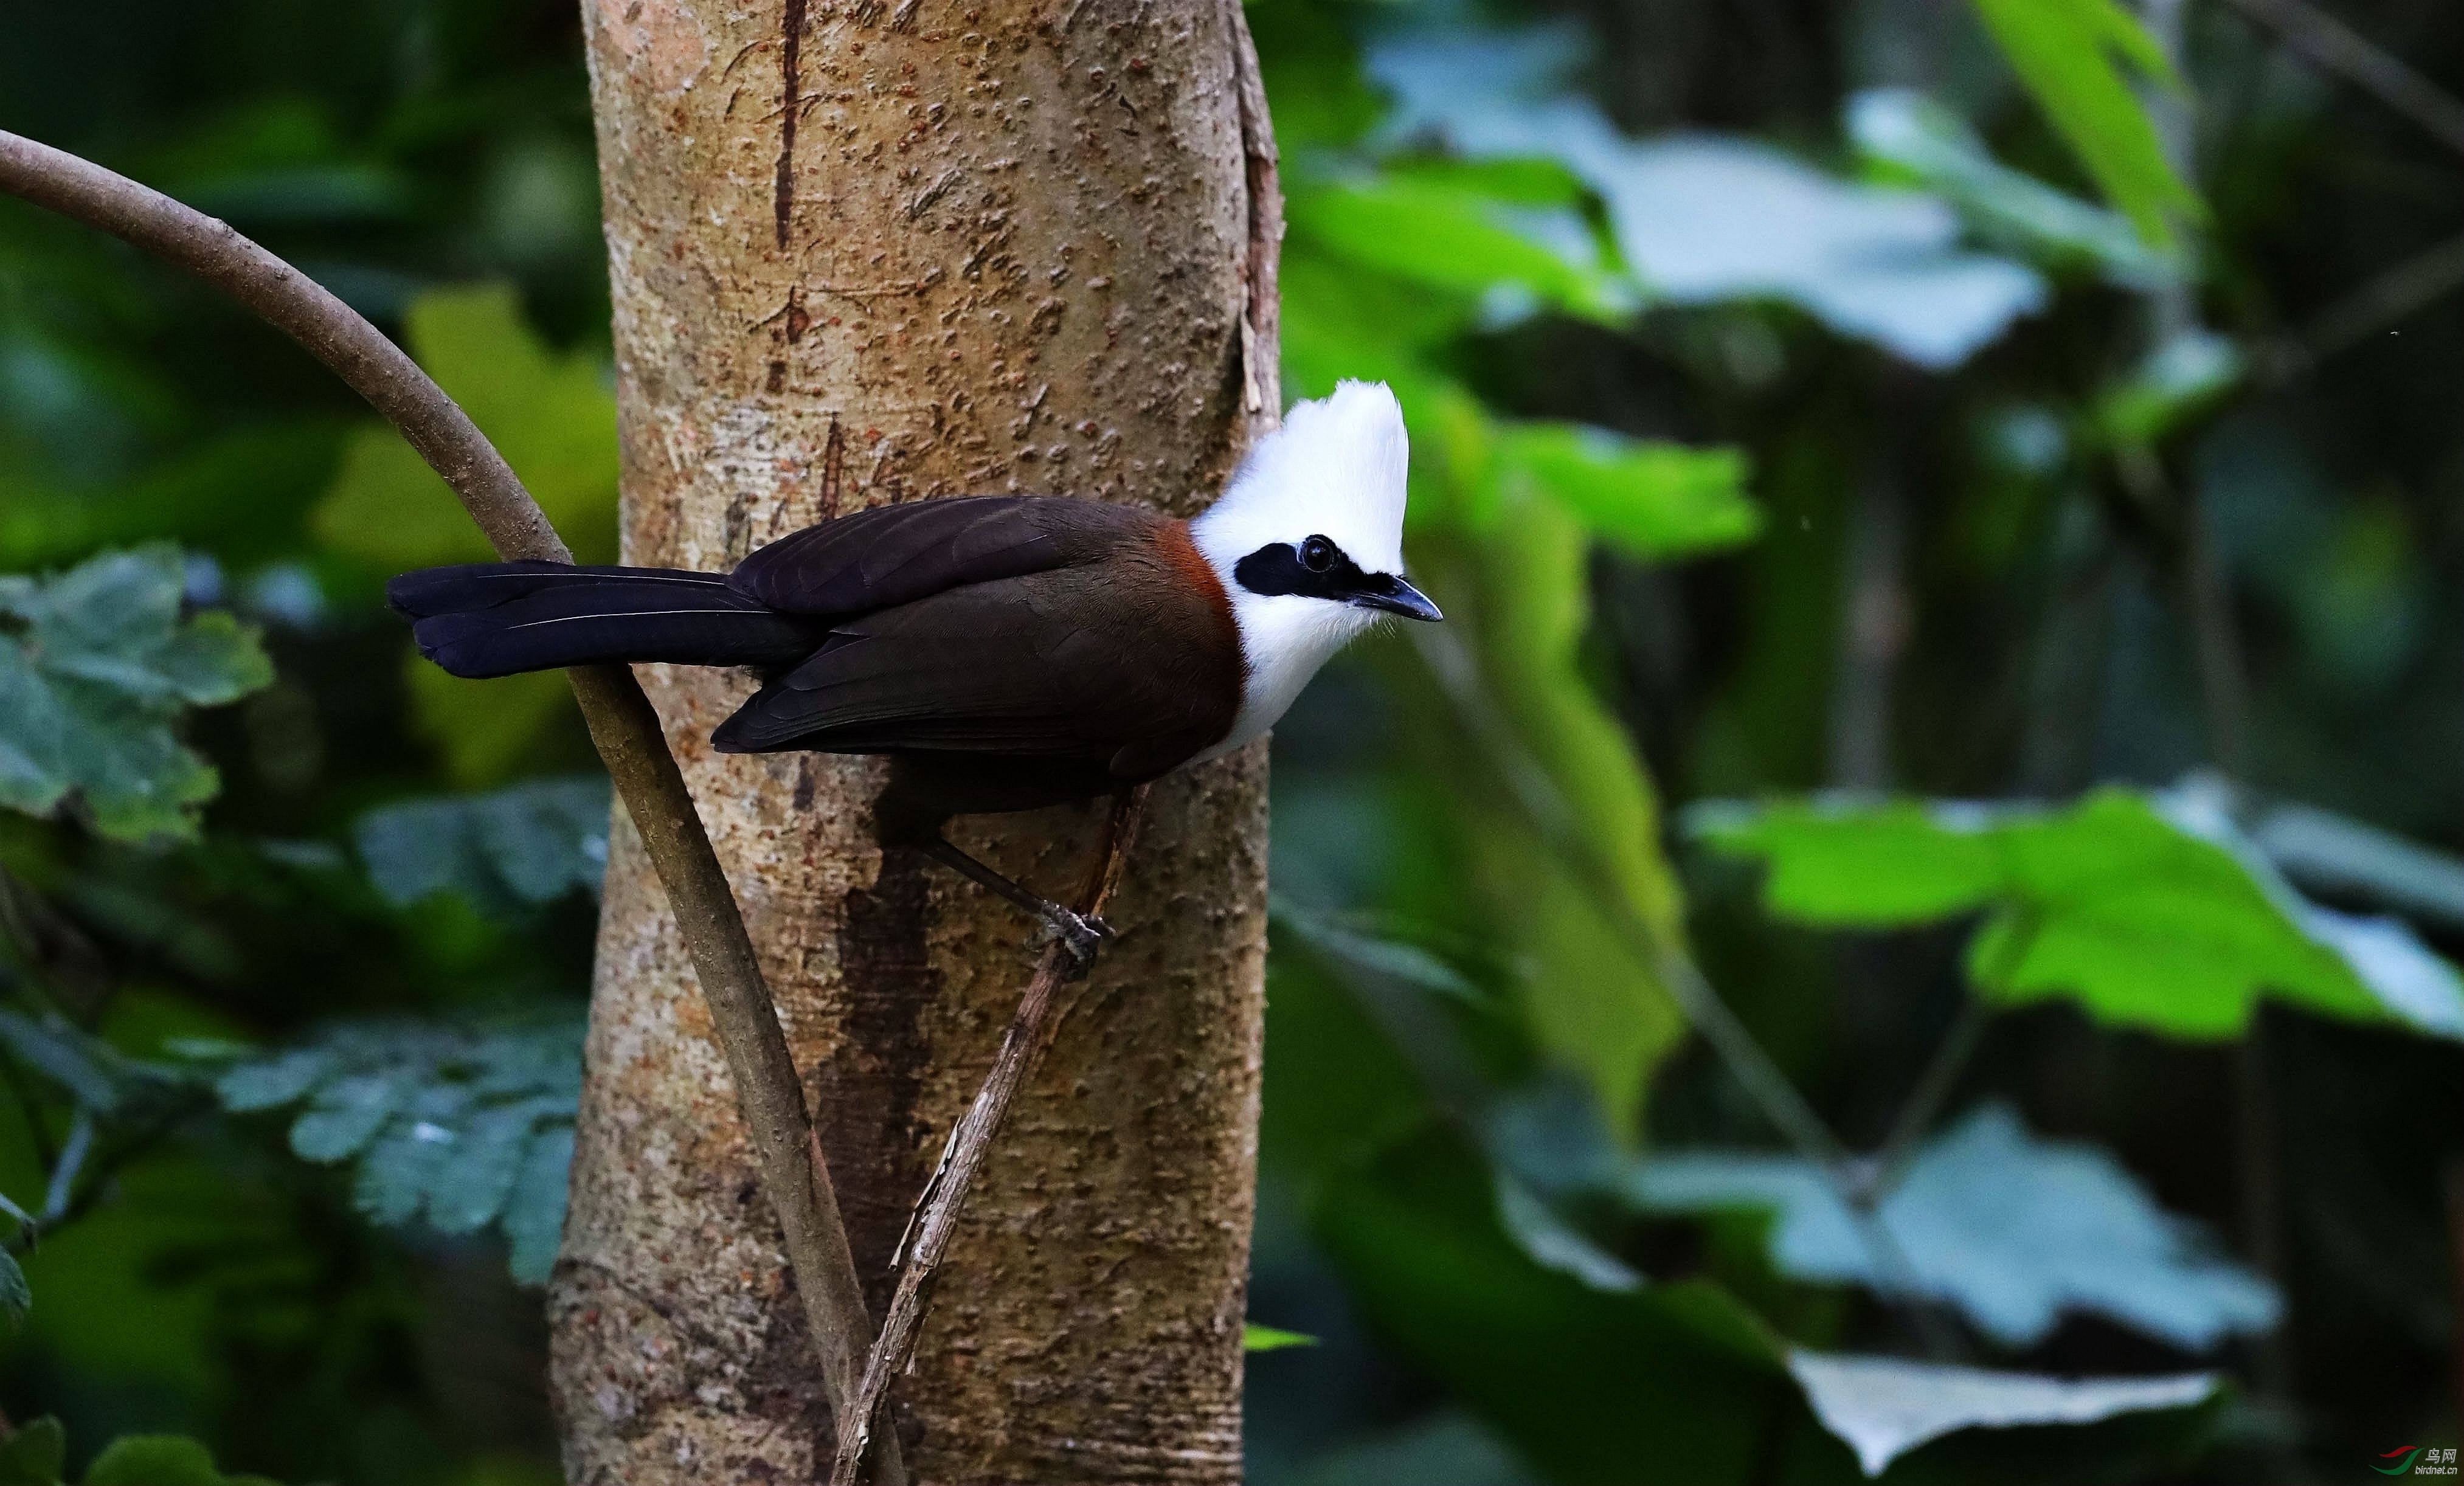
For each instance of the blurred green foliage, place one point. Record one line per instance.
(33, 1455)
(2109, 902)
(1994, 467)
(93, 682)
(552, 416)
(2070, 55)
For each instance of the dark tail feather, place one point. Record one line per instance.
(497, 619)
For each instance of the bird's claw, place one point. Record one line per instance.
(1082, 934)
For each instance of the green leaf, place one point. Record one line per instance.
(1859, 864)
(1699, 1393)
(1679, 1383)
(96, 666)
(2070, 54)
(1340, 322)
(527, 844)
(553, 416)
(1653, 500)
(33, 1455)
(2190, 371)
(2107, 903)
(2149, 927)
(1594, 1003)
(1445, 235)
(153, 1460)
(1255, 1338)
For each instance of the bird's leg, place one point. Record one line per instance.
(1081, 934)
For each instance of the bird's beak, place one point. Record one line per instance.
(1394, 596)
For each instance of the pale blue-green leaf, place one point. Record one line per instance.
(1446, 1449)
(1379, 955)
(1706, 219)
(1908, 138)
(93, 685)
(394, 1174)
(1552, 1243)
(281, 1079)
(1882, 1407)
(462, 1126)
(2327, 852)
(2382, 955)
(486, 1158)
(86, 1068)
(2014, 1230)
(347, 1114)
(17, 1296)
(526, 845)
(534, 1219)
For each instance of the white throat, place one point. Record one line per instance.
(1283, 641)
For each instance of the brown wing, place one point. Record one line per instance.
(893, 554)
(1118, 664)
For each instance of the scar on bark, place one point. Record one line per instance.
(790, 85)
(833, 469)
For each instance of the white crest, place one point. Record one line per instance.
(1336, 469)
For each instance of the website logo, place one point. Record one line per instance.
(2417, 1460)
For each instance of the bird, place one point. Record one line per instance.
(1005, 652)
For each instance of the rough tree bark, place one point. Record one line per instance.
(860, 253)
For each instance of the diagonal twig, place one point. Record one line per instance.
(1545, 808)
(2340, 48)
(622, 722)
(936, 1216)
(2393, 296)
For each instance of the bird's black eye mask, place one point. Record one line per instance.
(1316, 568)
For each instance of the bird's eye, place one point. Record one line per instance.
(1318, 555)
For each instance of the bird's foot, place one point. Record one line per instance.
(1082, 934)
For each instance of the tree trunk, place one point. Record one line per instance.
(864, 254)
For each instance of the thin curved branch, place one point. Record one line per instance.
(2346, 51)
(936, 1217)
(621, 719)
